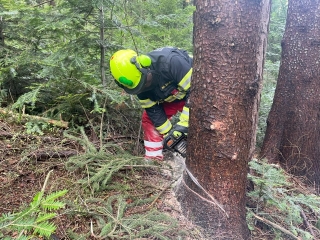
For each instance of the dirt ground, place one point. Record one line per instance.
(26, 159)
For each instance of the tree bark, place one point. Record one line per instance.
(229, 47)
(293, 126)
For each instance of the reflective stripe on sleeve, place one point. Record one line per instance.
(185, 114)
(147, 103)
(171, 98)
(152, 144)
(164, 128)
(185, 82)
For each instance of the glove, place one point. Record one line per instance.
(176, 132)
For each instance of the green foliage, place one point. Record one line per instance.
(59, 49)
(277, 200)
(276, 29)
(264, 109)
(113, 222)
(272, 63)
(99, 164)
(35, 219)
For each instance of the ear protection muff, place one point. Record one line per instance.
(142, 63)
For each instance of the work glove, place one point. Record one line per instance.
(176, 132)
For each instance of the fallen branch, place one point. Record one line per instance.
(306, 223)
(47, 154)
(16, 117)
(274, 225)
(154, 201)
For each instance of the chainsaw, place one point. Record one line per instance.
(176, 144)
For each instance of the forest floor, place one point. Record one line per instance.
(26, 159)
(144, 192)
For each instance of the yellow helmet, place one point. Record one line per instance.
(129, 70)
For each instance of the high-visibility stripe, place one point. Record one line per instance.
(181, 93)
(147, 103)
(153, 153)
(184, 117)
(185, 82)
(152, 144)
(164, 128)
(185, 113)
(171, 98)
(183, 124)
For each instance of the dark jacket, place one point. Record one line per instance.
(172, 70)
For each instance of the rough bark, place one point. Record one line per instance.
(293, 126)
(229, 48)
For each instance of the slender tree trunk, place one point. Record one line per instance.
(1, 32)
(293, 126)
(102, 48)
(229, 41)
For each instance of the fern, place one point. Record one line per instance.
(35, 218)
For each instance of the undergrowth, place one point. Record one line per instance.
(129, 210)
(288, 210)
(34, 220)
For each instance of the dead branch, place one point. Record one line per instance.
(274, 225)
(154, 201)
(26, 118)
(47, 154)
(306, 223)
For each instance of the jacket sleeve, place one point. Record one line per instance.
(183, 71)
(157, 114)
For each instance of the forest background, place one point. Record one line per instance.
(54, 64)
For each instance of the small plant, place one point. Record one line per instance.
(100, 165)
(35, 219)
(37, 127)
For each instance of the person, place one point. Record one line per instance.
(161, 80)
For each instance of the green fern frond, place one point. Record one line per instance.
(45, 217)
(52, 205)
(44, 229)
(36, 199)
(53, 196)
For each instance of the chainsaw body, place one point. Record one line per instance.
(176, 144)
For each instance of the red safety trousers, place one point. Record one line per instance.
(153, 140)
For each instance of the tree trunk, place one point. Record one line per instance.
(102, 48)
(293, 126)
(1, 31)
(229, 42)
